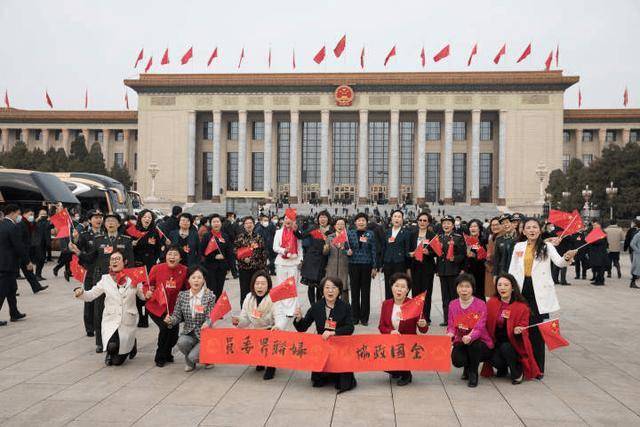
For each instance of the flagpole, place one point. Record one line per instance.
(540, 323)
(565, 229)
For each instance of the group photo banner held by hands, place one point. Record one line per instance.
(309, 352)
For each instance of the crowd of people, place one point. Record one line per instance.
(496, 278)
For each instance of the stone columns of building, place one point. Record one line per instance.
(579, 144)
(475, 157)
(44, 134)
(268, 151)
(126, 135)
(191, 156)
(66, 141)
(626, 134)
(293, 157)
(363, 157)
(502, 158)
(394, 157)
(324, 156)
(5, 139)
(602, 141)
(216, 161)
(242, 150)
(87, 143)
(104, 145)
(448, 157)
(419, 177)
(24, 136)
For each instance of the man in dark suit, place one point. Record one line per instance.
(12, 253)
(26, 228)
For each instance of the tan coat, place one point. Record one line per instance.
(615, 237)
(266, 315)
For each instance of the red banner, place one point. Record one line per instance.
(309, 352)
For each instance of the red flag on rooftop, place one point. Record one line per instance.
(525, 53)
(444, 52)
(6, 99)
(241, 57)
(165, 57)
(269, 58)
(362, 58)
(625, 97)
(557, 54)
(579, 98)
(50, 103)
(139, 58)
(391, 53)
(293, 59)
(187, 56)
(547, 63)
(474, 51)
(86, 99)
(149, 64)
(213, 56)
(337, 51)
(126, 100)
(423, 58)
(318, 58)
(501, 52)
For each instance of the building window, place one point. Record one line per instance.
(257, 171)
(119, 135)
(587, 136)
(99, 136)
(135, 135)
(486, 130)
(432, 177)
(284, 133)
(135, 161)
(486, 177)
(257, 132)
(611, 136)
(19, 135)
(378, 152)
(634, 136)
(587, 159)
(345, 145)
(56, 134)
(37, 133)
(118, 159)
(232, 171)
(566, 136)
(311, 132)
(406, 153)
(459, 177)
(207, 175)
(433, 131)
(232, 131)
(566, 159)
(207, 130)
(459, 131)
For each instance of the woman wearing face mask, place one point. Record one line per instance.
(467, 328)
(166, 281)
(476, 256)
(259, 312)
(391, 321)
(147, 246)
(193, 308)
(337, 259)
(495, 230)
(186, 237)
(507, 318)
(217, 249)
(422, 270)
(531, 266)
(120, 315)
(332, 316)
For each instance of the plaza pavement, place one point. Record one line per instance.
(50, 375)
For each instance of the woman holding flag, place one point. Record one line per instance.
(259, 311)
(531, 266)
(216, 248)
(402, 315)
(193, 308)
(316, 249)
(251, 254)
(423, 266)
(166, 281)
(288, 247)
(476, 255)
(337, 259)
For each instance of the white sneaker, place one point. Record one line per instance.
(188, 368)
(209, 366)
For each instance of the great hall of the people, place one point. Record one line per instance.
(463, 137)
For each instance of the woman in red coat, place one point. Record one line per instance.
(507, 320)
(391, 315)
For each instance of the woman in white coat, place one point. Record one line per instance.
(288, 247)
(531, 266)
(120, 316)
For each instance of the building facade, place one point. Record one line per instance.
(473, 137)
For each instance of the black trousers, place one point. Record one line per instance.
(31, 278)
(598, 274)
(8, 289)
(245, 283)
(581, 265)
(422, 279)
(314, 292)
(537, 342)
(343, 381)
(360, 283)
(614, 261)
(113, 349)
(98, 308)
(216, 279)
(558, 274)
(448, 290)
(89, 308)
(469, 356)
(167, 339)
(388, 270)
(506, 357)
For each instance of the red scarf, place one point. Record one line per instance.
(450, 249)
(289, 242)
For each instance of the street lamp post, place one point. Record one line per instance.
(586, 195)
(541, 173)
(611, 193)
(153, 170)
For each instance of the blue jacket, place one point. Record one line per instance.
(363, 252)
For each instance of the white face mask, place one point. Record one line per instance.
(265, 223)
(30, 218)
(274, 221)
(18, 219)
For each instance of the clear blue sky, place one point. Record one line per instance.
(67, 46)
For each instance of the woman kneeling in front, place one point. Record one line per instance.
(391, 321)
(467, 327)
(507, 317)
(332, 316)
(192, 308)
(120, 316)
(259, 312)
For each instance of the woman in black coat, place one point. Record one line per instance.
(337, 322)
(476, 257)
(219, 258)
(186, 237)
(316, 251)
(422, 272)
(598, 258)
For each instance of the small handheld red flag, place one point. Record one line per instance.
(391, 53)
(470, 240)
(444, 52)
(212, 246)
(214, 55)
(595, 235)
(244, 252)
(436, 245)
(285, 290)
(132, 231)
(501, 52)
(222, 307)
(337, 51)
(139, 58)
(340, 238)
(550, 332)
(473, 52)
(187, 56)
(413, 307)
(61, 221)
(78, 272)
(418, 254)
(319, 56)
(138, 275)
(158, 304)
(526, 53)
(165, 57)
